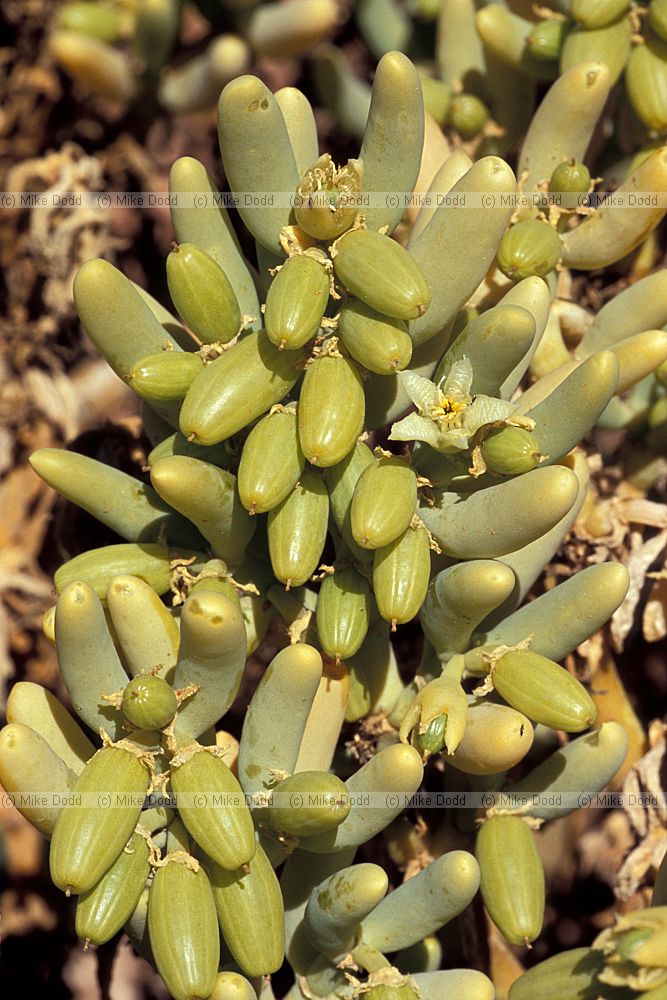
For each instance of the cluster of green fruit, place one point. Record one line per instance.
(259, 421)
(481, 63)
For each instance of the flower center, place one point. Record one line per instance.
(448, 411)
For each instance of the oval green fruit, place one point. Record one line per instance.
(149, 702)
(271, 461)
(496, 738)
(183, 929)
(296, 302)
(543, 691)
(326, 202)
(570, 177)
(401, 573)
(165, 376)
(297, 531)
(343, 613)
(251, 915)
(529, 248)
(232, 986)
(379, 343)
(102, 910)
(384, 502)
(382, 274)
(432, 740)
(202, 294)
(308, 803)
(597, 13)
(646, 82)
(239, 386)
(331, 409)
(341, 483)
(512, 877)
(212, 807)
(88, 838)
(467, 115)
(509, 451)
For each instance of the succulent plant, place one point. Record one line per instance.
(122, 50)
(275, 501)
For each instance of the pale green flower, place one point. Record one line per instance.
(447, 417)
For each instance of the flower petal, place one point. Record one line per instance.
(422, 392)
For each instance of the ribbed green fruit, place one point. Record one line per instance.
(646, 81)
(543, 691)
(530, 248)
(308, 803)
(597, 13)
(271, 461)
(512, 878)
(432, 740)
(325, 204)
(149, 702)
(467, 115)
(183, 930)
(570, 177)
(343, 613)
(232, 986)
(213, 808)
(379, 343)
(88, 838)
(202, 294)
(510, 451)
(165, 376)
(102, 911)
(400, 575)
(382, 274)
(296, 302)
(341, 483)
(239, 386)
(384, 503)
(297, 530)
(251, 915)
(331, 410)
